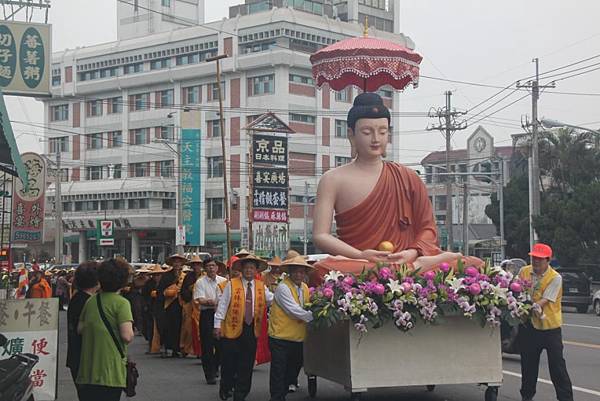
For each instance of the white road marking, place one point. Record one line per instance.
(581, 326)
(575, 388)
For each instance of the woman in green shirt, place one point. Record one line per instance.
(102, 371)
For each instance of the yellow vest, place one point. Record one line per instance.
(234, 319)
(281, 325)
(552, 310)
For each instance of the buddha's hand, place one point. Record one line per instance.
(373, 255)
(408, 256)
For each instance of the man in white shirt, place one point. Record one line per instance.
(237, 323)
(206, 294)
(287, 327)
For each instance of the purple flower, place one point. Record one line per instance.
(378, 289)
(471, 271)
(483, 277)
(445, 267)
(408, 280)
(311, 291)
(327, 292)
(516, 287)
(385, 273)
(430, 275)
(406, 287)
(475, 289)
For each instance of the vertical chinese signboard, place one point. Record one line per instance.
(28, 206)
(191, 199)
(31, 326)
(25, 58)
(270, 184)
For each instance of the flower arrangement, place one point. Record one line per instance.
(490, 295)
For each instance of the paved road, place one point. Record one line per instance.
(182, 380)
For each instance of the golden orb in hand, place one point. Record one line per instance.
(386, 246)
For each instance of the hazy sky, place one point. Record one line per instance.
(481, 41)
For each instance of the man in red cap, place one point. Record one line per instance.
(544, 332)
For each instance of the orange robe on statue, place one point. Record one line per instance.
(397, 210)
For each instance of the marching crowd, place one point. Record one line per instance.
(233, 316)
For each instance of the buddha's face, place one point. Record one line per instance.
(370, 137)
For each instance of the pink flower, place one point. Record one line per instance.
(445, 267)
(406, 287)
(474, 289)
(472, 271)
(348, 280)
(516, 287)
(385, 273)
(378, 289)
(327, 292)
(311, 291)
(430, 275)
(483, 277)
(408, 280)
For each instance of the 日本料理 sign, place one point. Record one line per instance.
(25, 58)
(269, 149)
(28, 205)
(31, 326)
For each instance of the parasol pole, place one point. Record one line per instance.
(366, 34)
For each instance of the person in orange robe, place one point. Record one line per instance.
(190, 310)
(39, 287)
(374, 201)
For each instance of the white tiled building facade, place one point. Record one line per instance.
(111, 102)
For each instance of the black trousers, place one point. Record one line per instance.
(532, 343)
(92, 392)
(211, 353)
(286, 361)
(172, 327)
(74, 371)
(237, 362)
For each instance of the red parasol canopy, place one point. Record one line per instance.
(368, 63)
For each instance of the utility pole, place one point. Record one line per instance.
(465, 222)
(534, 178)
(448, 125)
(58, 240)
(223, 149)
(305, 240)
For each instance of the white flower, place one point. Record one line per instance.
(395, 286)
(333, 275)
(500, 292)
(456, 284)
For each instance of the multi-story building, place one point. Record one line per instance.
(482, 167)
(115, 105)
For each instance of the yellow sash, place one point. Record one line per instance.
(552, 310)
(234, 319)
(283, 326)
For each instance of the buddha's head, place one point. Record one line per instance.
(368, 126)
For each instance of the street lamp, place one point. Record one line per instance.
(548, 123)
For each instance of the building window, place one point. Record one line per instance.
(168, 204)
(166, 132)
(56, 144)
(386, 93)
(214, 128)
(428, 174)
(215, 208)
(262, 85)
(109, 72)
(166, 98)
(440, 202)
(115, 139)
(59, 112)
(302, 118)
(166, 168)
(341, 160)
(165, 3)
(213, 91)
(133, 68)
(94, 173)
(341, 129)
(56, 77)
(140, 136)
(137, 204)
(140, 169)
(186, 59)
(64, 175)
(117, 170)
(301, 79)
(160, 64)
(215, 167)
(117, 204)
(343, 95)
(141, 101)
(94, 141)
(191, 95)
(94, 108)
(115, 105)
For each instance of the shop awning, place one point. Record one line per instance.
(10, 158)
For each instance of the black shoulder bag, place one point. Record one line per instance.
(132, 372)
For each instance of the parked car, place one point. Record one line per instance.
(597, 302)
(577, 288)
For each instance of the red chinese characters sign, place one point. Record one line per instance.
(28, 206)
(274, 216)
